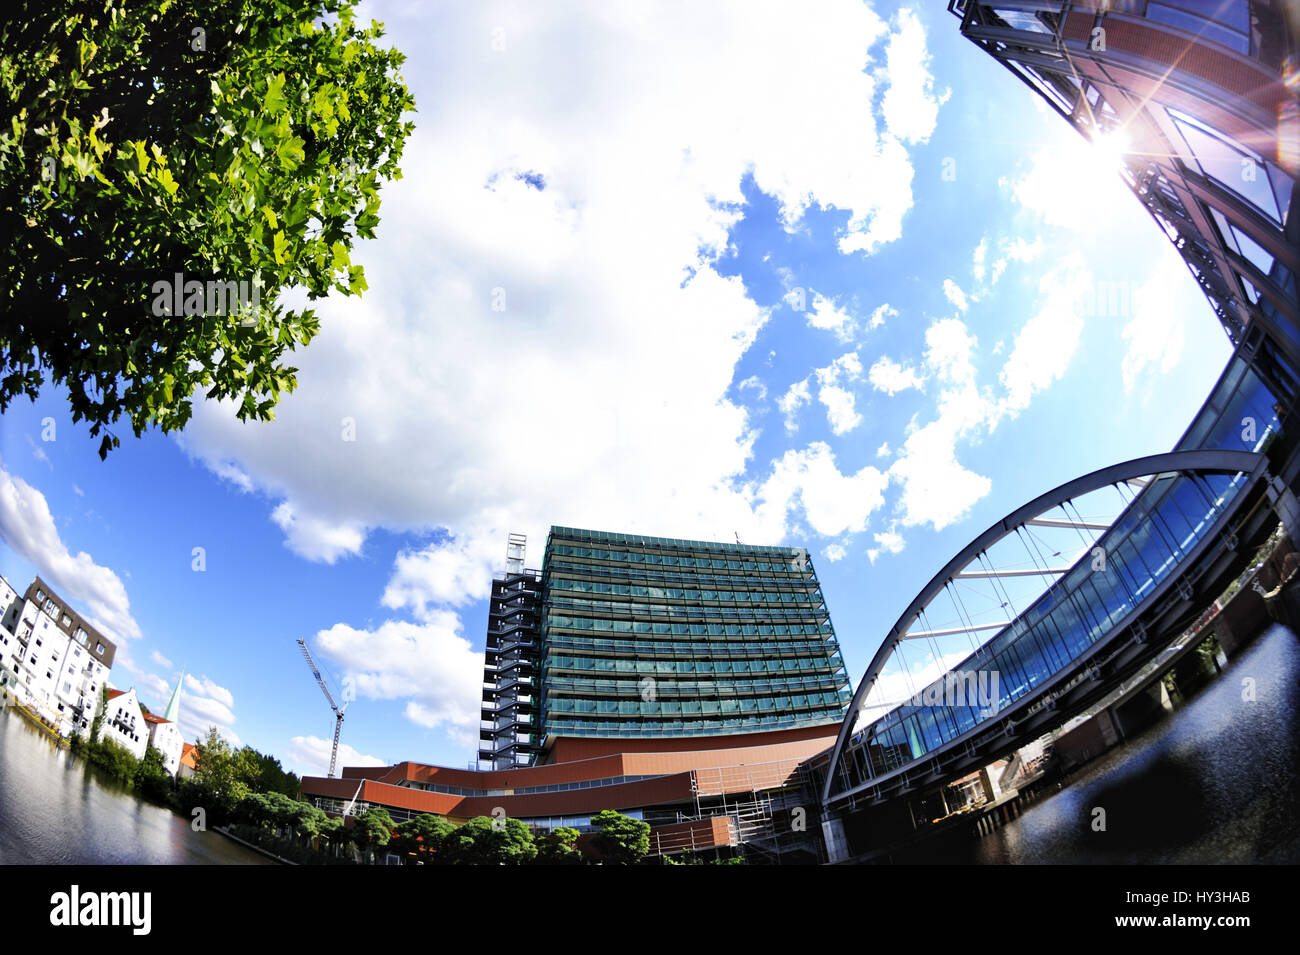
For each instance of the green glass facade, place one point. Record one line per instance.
(659, 637)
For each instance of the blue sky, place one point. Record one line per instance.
(825, 277)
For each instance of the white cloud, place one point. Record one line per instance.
(835, 552)
(601, 283)
(428, 663)
(452, 571)
(616, 336)
(159, 690)
(1155, 334)
(318, 538)
(840, 410)
(1016, 249)
(883, 450)
(937, 489)
(890, 377)
(828, 316)
(1067, 185)
(161, 660)
(752, 383)
(953, 293)
(1046, 343)
(310, 756)
(881, 313)
(833, 503)
(792, 401)
(202, 686)
(977, 259)
(27, 527)
(891, 542)
(199, 710)
(911, 109)
(839, 402)
(229, 471)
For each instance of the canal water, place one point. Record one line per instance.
(55, 809)
(1218, 781)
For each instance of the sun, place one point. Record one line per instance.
(1111, 149)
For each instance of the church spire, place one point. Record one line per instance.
(173, 713)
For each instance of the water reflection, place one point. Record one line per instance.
(54, 809)
(1217, 782)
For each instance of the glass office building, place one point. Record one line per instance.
(623, 635)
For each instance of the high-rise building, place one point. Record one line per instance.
(626, 637)
(681, 682)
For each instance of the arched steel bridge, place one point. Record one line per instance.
(1103, 607)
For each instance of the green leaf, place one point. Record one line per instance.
(280, 248)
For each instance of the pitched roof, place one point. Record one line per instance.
(190, 756)
(154, 718)
(114, 694)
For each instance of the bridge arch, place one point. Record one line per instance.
(1181, 504)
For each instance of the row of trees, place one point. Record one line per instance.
(254, 793)
(304, 833)
(487, 840)
(224, 778)
(147, 775)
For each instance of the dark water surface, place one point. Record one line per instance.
(55, 809)
(1218, 781)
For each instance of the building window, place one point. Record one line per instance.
(1226, 22)
(1022, 20)
(1234, 167)
(99, 648)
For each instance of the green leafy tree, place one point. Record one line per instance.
(264, 774)
(114, 759)
(227, 141)
(334, 833)
(621, 840)
(422, 836)
(487, 841)
(255, 810)
(373, 829)
(151, 777)
(216, 785)
(559, 847)
(97, 724)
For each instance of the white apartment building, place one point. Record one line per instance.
(51, 659)
(125, 723)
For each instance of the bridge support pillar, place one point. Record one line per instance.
(837, 845)
(1287, 508)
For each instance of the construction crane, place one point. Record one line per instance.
(338, 711)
